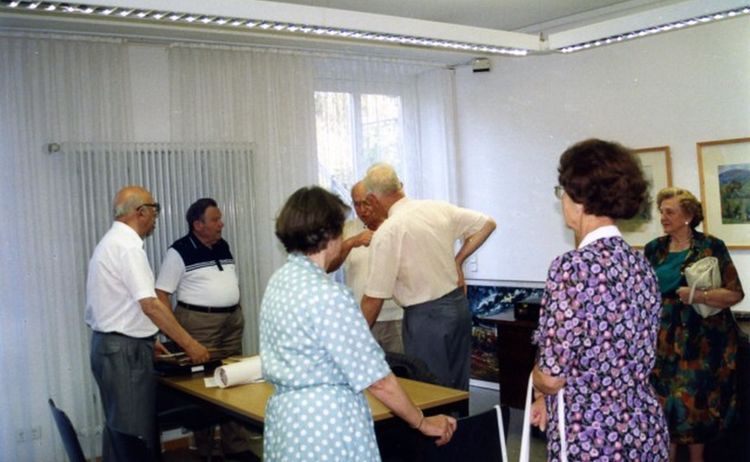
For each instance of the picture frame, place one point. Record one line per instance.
(724, 172)
(657, 167)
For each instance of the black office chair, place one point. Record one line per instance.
(478, 438)
(409, 367)
(68, 434)
(130, 447)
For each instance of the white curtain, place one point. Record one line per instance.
(427, 129)
(264, 96)
(57, 89)
(52, 89)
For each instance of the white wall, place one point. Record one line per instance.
(674, 89)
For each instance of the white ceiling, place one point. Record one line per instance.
(502, 23)
(531, 16)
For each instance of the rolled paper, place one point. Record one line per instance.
(239, 373)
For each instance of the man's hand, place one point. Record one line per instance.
(160, 349)
(461, 281)
(197, 353)
(363, 238)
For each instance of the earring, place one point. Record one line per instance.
(687, 223)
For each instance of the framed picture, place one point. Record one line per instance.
(657, 167)
(724, 168)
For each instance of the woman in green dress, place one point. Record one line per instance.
(695, 370)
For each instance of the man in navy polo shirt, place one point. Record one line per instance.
(200, 269)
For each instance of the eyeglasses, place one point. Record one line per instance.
(559, 191)
(155, 205)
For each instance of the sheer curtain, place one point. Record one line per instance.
(52, 89)
(425, 158)
(61, 89)
(264, 96)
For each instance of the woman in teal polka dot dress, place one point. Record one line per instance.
(317, 350)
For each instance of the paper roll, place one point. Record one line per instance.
(240, 373)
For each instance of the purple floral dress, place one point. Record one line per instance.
(598, 329)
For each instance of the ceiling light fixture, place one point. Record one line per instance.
(656, 29)
(176, 17)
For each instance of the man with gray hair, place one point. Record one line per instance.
(125, 315)
(413, 260)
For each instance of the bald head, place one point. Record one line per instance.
(136, 207)
(128, 199)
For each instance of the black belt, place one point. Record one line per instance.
(208, 309)
(150, 338)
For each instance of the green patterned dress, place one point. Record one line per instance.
(695, 371)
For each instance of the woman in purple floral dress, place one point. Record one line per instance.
(597, 330)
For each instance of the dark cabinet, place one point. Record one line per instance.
(515, 356)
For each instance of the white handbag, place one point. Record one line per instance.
(704, 274)
(526, 435)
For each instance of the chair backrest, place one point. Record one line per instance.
(409, 367)
(130, 447)
(68, 434)
(478, 438)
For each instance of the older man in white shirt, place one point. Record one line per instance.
(125, 316)
(355, 255)
(413, 260)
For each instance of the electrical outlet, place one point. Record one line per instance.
(36, 433)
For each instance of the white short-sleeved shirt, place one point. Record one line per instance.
(317, 350)
(203, 283)
(119, 276)
(412, 254)
(356, 268)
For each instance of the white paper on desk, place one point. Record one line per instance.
(239, 373)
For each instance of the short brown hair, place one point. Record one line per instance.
(309, 219)
(605, 177)
(688, 203)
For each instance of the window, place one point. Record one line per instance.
(355, 130)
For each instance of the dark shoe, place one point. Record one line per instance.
(244, 456)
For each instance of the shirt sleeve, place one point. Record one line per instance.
(557, 321)
(467, 222)
(171, 272)
(344, 334)
(137, 275)
(385, 253)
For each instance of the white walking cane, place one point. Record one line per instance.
(526, 435)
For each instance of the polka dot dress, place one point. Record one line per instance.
(317, 350)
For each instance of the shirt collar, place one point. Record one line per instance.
(600, 233)
(126, 231)
(396, 205)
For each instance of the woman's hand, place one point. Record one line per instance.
(684, 294)
(539, 414)
(440, 426)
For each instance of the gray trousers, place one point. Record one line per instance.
(124, 370)
(439, 333)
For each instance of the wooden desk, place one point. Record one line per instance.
(248, 402)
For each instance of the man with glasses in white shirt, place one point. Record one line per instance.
(125, 315)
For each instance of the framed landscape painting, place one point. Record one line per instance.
(724, 168)
(657, 167)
